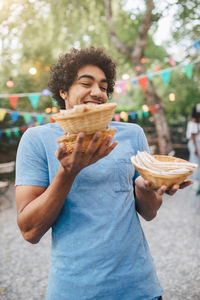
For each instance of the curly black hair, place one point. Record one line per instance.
(64, 72)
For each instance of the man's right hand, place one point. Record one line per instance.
(73, 162)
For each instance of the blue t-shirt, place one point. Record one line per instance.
(99, 251)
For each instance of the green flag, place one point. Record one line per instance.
(27, 118)
(188, 70)
(34, 100)
(165, 75)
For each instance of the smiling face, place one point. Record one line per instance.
(89, 87)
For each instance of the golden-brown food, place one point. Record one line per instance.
(70, 139)
(161, 169)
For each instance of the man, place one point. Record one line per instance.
(90, 199)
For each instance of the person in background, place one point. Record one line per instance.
(193, 136)
(90, 200)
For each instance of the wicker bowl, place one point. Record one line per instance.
(157, 180)
(91, 121)
(70, 139)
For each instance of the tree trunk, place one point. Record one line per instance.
(136, 53)
(162, 128)
(152, 99)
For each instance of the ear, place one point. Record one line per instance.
(63, 94)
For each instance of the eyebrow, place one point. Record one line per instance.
(91, 77)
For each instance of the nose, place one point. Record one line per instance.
(96, 91)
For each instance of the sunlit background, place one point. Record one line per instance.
(34, 33)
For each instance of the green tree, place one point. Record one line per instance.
(34, 33)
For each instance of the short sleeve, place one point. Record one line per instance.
(142, 141)
(31, 161)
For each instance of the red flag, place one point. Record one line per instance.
(143, 82)
(152, 110)
(13, 101)
(23, 129)
(51, 120)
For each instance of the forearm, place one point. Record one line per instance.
(39, 215)
(147, 203)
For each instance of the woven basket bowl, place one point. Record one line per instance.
(156, 180)
(87, 122)
(70, 140)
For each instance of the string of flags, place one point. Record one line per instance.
(35, 119)
(28, 116)
(124, 85)
(33, 97)
(121, 86)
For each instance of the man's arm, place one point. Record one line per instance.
(148, 200)
(38, 207)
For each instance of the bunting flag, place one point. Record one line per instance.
(157, 107)
(135, 82)
(2, 114)
(188, 70)
(8, 132)
(132, 115)
(51, 120)
(34, 100)
(16, 131)
(172, 61)
(152, 110)
(129, 86)
(143, 82)
(124, 116)
(122, 86)
(196, 45)
(27, 118)
(39, 119)
(150, 75)
(117, 117)
(146, 113)
(13, 101)
(14, 116)
(139, 114)
(165, 75)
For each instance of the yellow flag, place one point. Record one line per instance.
(124, 116)
(2, 114)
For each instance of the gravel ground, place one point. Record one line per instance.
(173, 236)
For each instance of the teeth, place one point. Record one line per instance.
(145, 161)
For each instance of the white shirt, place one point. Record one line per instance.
(193, 128)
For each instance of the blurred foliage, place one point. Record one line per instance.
(34, 33)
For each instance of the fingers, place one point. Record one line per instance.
(162, 190)
(185, 184)
(79, 144)
(61, 151)
(104, 148)
(111, 148)
(171, 191)
(93, 145)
